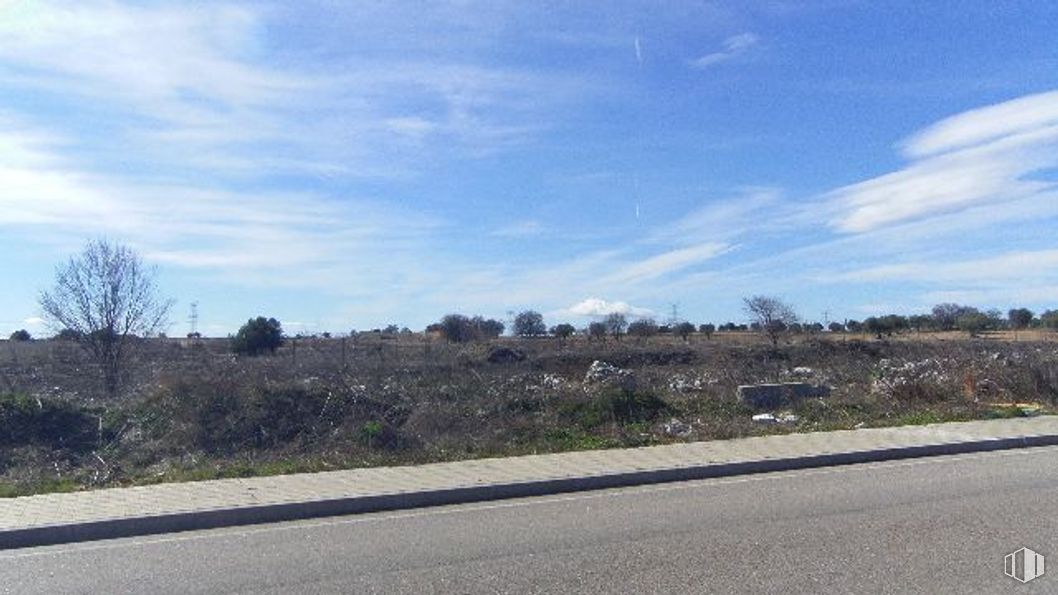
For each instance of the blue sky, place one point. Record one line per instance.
(347, 165)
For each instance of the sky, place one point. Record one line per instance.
(348, 165)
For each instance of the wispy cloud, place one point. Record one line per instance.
(984, 156)
(666, 263)
(753, 208)
(733, 46)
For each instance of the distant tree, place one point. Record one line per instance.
(616, 323)
(529, 323)
(885, 325)
(486, 328)
(813, 327)
(877, 326)
(729, 327)
(194, 335)
(973, 322)
(896, 323)
(921, 322)
(643, 328)
(771, 315)
(67, 334)
(257, 336)
(436, 327)
(836, 327)
(685, 330)
(391, 329)
(708, 329)
(796, 328)
(854, 326)
(106, 297)
(597, 330)
(945, 315)
(1049, 319)
(457, 328)
(563, 331)
(1020, 318)
(21, 335)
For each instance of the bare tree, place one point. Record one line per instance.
(772, 315)
(105, 297)
(616, 323)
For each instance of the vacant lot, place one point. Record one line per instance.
(190, 410)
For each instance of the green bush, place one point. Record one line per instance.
(26, 421)
(20, 335)
(257, 336)
(616, 406)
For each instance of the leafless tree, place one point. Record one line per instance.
(772, 315)
(616, 323)
(106, 297)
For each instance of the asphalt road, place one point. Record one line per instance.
(937, 525)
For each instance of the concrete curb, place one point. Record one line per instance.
(289, 511)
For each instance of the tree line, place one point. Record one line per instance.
(105, 298)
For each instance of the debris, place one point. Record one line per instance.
(601, 372)
(675, 427)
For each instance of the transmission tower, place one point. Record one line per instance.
(674, 317)
(193, 319)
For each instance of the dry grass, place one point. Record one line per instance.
(193, 411)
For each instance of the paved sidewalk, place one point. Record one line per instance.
(101, 514)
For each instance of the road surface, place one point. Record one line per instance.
(936, 525)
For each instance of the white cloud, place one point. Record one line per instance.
(978, 126)
(596, 307)
(204, 86)
(733, 46)
(979, 157)
(666, 263)
(34, 321)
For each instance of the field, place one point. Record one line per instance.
(191, 410)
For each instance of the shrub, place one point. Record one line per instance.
(684, 330)
(618, 406)
(21, 335)
(597, 330)
(257, 336)
(645, 327)
(45, 422)
(68, 334)
(563, 330)
(225, 415)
